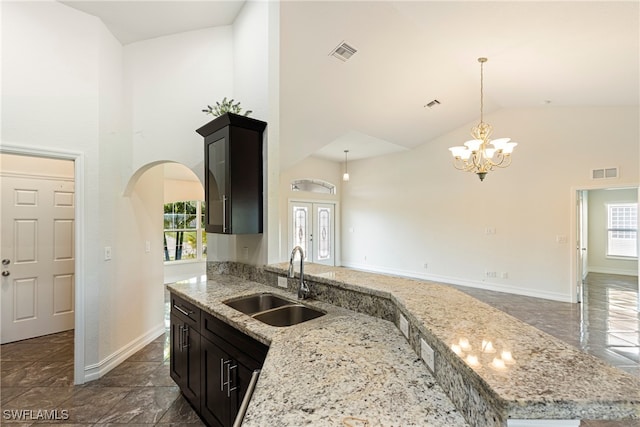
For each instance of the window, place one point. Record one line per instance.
(313, 186)
(184, 236)
(622, 230)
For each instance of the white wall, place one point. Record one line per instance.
(62, 92)
(36, 165)
(251, 41)
(169, 80)
(413, 208)
(597, 246)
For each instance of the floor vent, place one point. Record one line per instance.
(343, 51)
(604, 173)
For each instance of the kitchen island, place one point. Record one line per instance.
(343, 367)
(495, 369)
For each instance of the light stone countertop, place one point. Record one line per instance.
(548, 379)
(319, 372)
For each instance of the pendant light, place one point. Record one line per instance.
(345, 176)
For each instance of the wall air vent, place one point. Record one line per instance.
(343, 51)
(604, 173)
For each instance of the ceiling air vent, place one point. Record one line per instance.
(604, 173)
(432, 104)
(343, 51)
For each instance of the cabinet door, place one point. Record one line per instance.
(185, 359)
(219, 391)
(217, 183)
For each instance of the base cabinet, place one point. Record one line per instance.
(219, 401)
(185, 353)
(185, 360)
(222, 358)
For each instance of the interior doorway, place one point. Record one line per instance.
(596, 234)
(76, 282)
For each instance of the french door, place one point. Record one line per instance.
(312, 227)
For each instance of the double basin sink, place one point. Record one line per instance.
(273, 310)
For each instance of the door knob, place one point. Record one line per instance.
(6, 261)
(5, 273)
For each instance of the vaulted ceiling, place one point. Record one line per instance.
(555, 53)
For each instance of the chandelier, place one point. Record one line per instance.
(477, 155)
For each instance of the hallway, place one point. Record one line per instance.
(37, 373)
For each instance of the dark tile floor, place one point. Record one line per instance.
(37, 374)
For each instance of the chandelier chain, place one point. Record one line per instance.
(481, 92)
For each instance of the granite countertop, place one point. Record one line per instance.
(323, 371)
(546, 377)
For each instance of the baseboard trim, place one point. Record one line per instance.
(555, 296)
(608, 270)
(97, 370)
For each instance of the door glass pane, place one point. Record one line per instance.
(217, 183)
(324, 231)
(300, 227)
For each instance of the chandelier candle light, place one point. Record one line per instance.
(476, 155)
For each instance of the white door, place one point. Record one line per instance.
(581, 244)
(312, 227)
(37, 252)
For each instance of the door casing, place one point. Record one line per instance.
(78, 159)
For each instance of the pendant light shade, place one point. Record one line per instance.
(345, 176)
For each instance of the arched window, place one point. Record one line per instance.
(313, 186)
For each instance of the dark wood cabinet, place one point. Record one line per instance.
(212, 362)
(229, 358)
(233, 164)
(185, 350)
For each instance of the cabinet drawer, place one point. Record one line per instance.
(188, 312)
(243, 348)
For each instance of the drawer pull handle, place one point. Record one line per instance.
(225, 365)
(182, 310)
(184, 337)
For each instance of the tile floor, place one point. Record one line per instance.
(38, 373)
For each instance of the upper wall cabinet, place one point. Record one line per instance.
(233, 174)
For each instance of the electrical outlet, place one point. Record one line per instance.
(426, 352)
(561, 239)
(504, 275)
(282, 282)
(490, 274)
(425, 265)
(147, 246)
(404, 326)
(490, 230)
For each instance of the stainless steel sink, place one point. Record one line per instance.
(288, 315)
(256, 303)
(274, 310)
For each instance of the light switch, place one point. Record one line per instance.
(107, 253)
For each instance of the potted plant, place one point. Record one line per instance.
(226, 106)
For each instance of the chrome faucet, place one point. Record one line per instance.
(303, 288)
